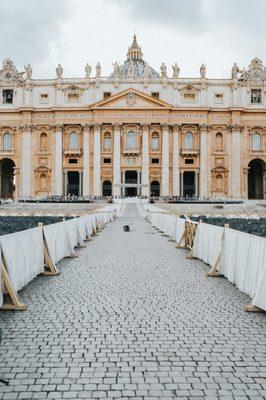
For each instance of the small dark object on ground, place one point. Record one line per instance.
(126, 228)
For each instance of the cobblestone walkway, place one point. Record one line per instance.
(132, 318)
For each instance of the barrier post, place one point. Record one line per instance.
(51, 269)
(8, 289)
(213, 272)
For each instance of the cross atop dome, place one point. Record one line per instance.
(134, 51)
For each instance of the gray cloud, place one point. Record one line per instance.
(29, 27)
(177, 14)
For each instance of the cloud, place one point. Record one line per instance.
(29, 28)
(183, 15)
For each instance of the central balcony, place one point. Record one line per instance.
(72, 152)
(189, 152)
(127, 151)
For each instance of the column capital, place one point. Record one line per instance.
(116, 126)
(96, 126)
(86, 126)
(176, 127)
(145, 126)
(58, 127)
(235, 128)
(27, 127)
(165, 127)
(204, 127)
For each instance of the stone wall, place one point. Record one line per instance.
(12, 224)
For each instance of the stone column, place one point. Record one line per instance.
(204, 165)
(182, 184)
(145, 160)
(165, 160)
(86, 160)
(123, 181)
(26, 167)
(65, 183)
(176, 151)
(80, 184)
(196, 183)
(117, 161)
(235, 162)
(97, 160)
(58, 171)
(139, 190)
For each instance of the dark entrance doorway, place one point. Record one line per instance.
(255, 179)
(73, 183)
(131, 177)
(7, 178)
(155, 189)
(107, 188)
(189, 183)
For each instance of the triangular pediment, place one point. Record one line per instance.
(133, 99)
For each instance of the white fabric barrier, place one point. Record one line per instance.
(171, 225)
(243, 262)
(24, 255)
(179, 229)
(208, 243)
(58, 241)
(1, 283)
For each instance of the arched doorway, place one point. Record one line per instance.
(7, 178)
(255, 179)
(155, 188)
(107, 188)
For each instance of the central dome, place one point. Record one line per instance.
(135, 66)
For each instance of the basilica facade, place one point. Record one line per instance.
(135, 132)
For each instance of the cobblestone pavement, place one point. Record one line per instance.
(132, 318)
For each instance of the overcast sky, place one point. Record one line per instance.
(189, 32)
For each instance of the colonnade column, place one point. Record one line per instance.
(117, 161)
(204, 165)
(176, 178)
(65, 174)
(86, 160)
(97, 160)
(123, 182)
(165, 160)
(58, 171)
(139, 189)
(182, 184)
(26, 167)
(80, 184)
(235, 162)
(145, 160)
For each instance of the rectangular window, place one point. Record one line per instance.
(189, 161)
(7, 96)
(218, 98)
(255, 96)
(156, 95)
(107, 160)
(189, 97)
(44, 98)
(106, 95)
(73, 97)
(73, 161)
(155, 160)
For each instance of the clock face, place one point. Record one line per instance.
(256, 74)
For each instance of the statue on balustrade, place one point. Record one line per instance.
(28, 71)
(116, 70)
(163, 70)
(98, 70)
(235, 71)
(59, 71)
(88, 71)
(176, 71)
(203, 71)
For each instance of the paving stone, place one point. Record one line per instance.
(132, 317)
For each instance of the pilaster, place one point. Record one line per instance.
(165, 160)
(26, 167)
(86, 160)
(58, 170)
(97, 160)
(176, 151)
(145, 160)
(117, 160)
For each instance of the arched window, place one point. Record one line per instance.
(107, 188)
(219, 141)
(43, 140)
(7, 141)
(155, 188)
(131, 141)
(189, 141)
(256, 141)
(155, 141)
(43, 183)
(219, 183)
(107, 142)
(73, 141)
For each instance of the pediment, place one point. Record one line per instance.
(73, 89)
(189, 89)
(132, 99)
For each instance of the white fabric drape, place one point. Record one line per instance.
(24, 255)
(208, 243)
(180, 229)
(1, 283)
(57, 240)
(243, 262)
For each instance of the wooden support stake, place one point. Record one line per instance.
(51, 269)
(16, 303)
(251, 308)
